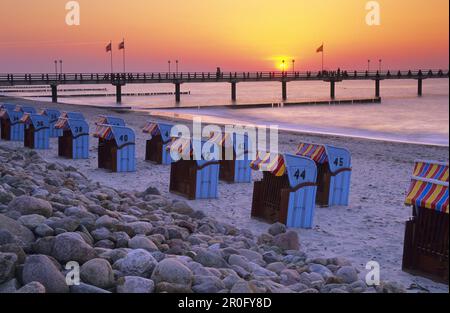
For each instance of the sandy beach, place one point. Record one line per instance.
(370, 229)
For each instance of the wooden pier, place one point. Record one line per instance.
(121, 79)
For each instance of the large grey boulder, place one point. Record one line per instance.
(8, 263)
(39, 268)
(33, 287)
(137, 263)
(27, 205)
(142, 242)
(15, 228)
(98, 272)
(71, 247)
(172, 271)
(134, 284)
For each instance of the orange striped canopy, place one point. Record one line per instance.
(103, 132)
(151, 128)
(269, 162)
(317, 153)
(62, 123)
(429, 186)
(183, 145)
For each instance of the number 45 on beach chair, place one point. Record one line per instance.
(334, 167)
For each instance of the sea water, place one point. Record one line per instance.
(401, 116)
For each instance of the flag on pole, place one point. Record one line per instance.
(122, 45)
(320, 49)
(109, 47)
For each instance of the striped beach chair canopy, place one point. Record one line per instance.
(159, 129)
(338, 159)
(429, 186)
(77, 127)
(315, 152)
(241, 142)
(122, 135)
(13, 115)
(73, 115)
(38, 121)
(185, 147)
(110, 120)
(269, 162)
(52, 114)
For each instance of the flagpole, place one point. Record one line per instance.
(124, 68)
(323, 49)
(112, 69)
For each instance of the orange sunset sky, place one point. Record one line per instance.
(233, 34)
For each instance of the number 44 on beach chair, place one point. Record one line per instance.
(426, 245)
(334, 166)
(287, 192)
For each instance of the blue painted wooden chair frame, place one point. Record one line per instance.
(53, 116)
(16, 128)
(156, 148)
(37, 131)
(77, 132)
(200, 178)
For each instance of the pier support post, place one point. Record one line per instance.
(177, 92)
(284, 90)
(119, 93)
(332, 89)
(419, 87)
(377, 88)
(54, 93)
(233, 91)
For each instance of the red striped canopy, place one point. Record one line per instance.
(103, 132)
(152, 129)
(269, 162)
(315, 152)
(183, 145)
(62, 123)
(429, 186)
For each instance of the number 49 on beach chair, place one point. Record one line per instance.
(116, 148)
(74, 141)
(155, 150)
(287, 192)
(426, 245)
(36, 128)
(334, 166)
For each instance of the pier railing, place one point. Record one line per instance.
(156, 77)
(121, 79)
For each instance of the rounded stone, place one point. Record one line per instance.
(98, 272)
(172, 271)
(39, 268)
